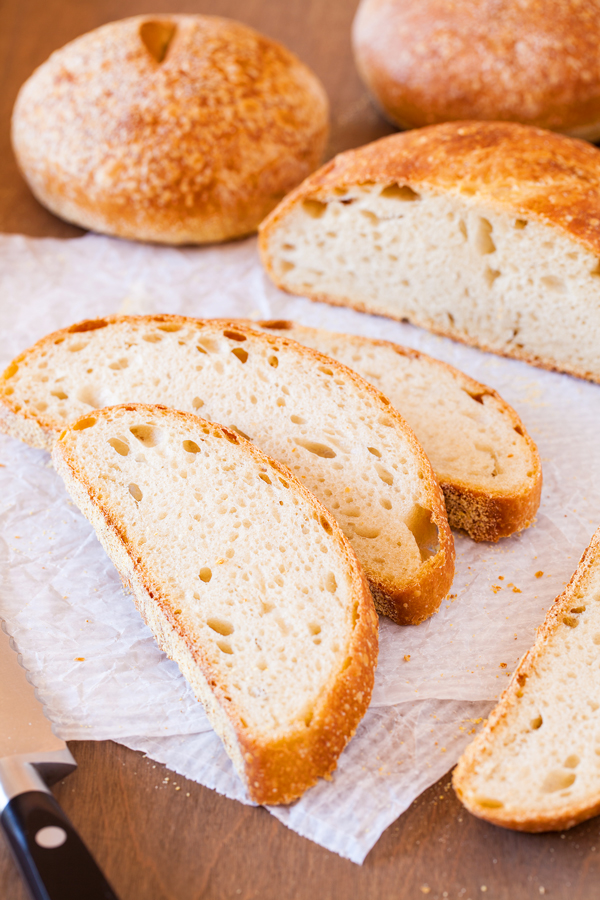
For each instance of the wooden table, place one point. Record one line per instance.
(156, 843)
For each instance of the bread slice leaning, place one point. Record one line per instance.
(339, 435)
(487, 232)
(485, 462)
(536, 764)
(245, 579)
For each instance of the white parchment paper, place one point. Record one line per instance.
(95, 663)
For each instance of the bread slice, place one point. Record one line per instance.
(245, 579)
(487, 232)
(337, 434)
(536, 764)
(485, 462)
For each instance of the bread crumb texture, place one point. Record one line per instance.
(336, 433)
(428, 61)
(485, 232)
(244, 578)
(486, 463)
(536, 764)
(182, 128)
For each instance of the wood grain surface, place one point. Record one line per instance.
(159, 843)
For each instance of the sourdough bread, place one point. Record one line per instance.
(485, 462)
(488, 233)
(536, 764)
(338, 435)
(427, 61)
(170, 128)
(246, 581)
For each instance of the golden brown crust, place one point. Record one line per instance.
(483, 515)
(428, 61)
(525, 820)
(408, 605)
(195, 147)
(527, 172)
(277, 770)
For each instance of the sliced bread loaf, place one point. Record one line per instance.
(339, 435)
(536, 764)
(487, 232)
(244, 578)
(487, 465)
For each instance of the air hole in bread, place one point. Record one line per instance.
(536, 723)
(191, 447)
(314, 208)
(156, 37)
(298, 420)
(273, 361)
(170, 326)
(385, 502)
(60, 395)
(152, 337)
(596, 638)
(519, 430)
(577, 609)
(424, 531)
(383, 473)
(147, 435)
(88, 422)
(197, 403)
(286, 266)
(571, 621)
(279, 324)
(122, 447)
(374, 451)
(119, 364)
(135, 491)
(477, 397)
(225, 647)
(265, 478)
(325, 370)
(367, 531)
(314, 628)
(520, 224)
(205, 574)
(77, 346)
(557, 780)
(240, 432)
(92, 397)
(489, 803)
(221, 626)
(330, 583)
(235, 336)
(491, 275)
(483, 240)
(325, 525)
(240, 353)
(369, 215)
(400, 192)
(88, 325)
(555, 284)
(572, 761)
(321, 450)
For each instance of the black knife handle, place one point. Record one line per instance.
(54, 861)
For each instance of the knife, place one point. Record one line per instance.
(52, 858)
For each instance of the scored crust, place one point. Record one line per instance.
(485, 515)
(428, 61)
(274, 770)
(196, 146)
(520, 818)
(505, 167)
(407, 603)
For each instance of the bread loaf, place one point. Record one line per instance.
(485, 462)
(488, 233)
(245, 579)
(172, 128)
(428, 61)
(536, 764)
(338, 435)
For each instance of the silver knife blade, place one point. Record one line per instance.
(24, 727)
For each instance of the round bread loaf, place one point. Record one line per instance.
(430, 61)
(177, 129)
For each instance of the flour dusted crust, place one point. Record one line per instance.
(535, 765)
(277, 765)
(487, 508)
(400, 530)
(528, 180)
(428, 61)
(174, 128)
